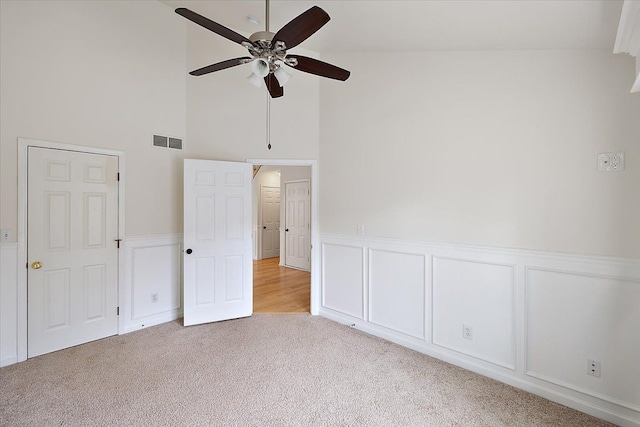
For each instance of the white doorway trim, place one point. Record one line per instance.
(23, 147)
(315, 228)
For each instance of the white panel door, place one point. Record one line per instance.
(270, 203)
(218, 275)
(72, 225)
(297, 225)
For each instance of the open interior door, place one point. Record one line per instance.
(218, 275)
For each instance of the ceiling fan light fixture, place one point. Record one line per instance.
(260, 67)
(282, 76)
(255, 80)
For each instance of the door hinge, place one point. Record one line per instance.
(26, 265)
(118, 176)
(118, 242)
(117, 311)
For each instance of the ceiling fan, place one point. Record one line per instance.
(269, 51)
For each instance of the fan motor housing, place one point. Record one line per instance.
(262, 36)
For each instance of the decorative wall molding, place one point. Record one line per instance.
(491, 288)
(8, 303)
(152, 291)
(596, 302)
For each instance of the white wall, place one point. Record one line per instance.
(451, 160)
(488, 148)
(111, 74)
(101, 74)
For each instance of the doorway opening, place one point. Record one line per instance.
(282, 231)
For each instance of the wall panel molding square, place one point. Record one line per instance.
(397, 289)
(478, 296)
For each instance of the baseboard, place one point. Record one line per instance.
(154, 320)
(8, 361)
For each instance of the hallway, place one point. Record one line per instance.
(279, 289)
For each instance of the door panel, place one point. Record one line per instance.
(297, 230)
(72, 225)
(218, 273)
(270, 207)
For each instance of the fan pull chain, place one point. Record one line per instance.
(268, 121)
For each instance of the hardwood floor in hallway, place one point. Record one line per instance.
(279, 289)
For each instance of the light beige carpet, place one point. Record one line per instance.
(267, 370)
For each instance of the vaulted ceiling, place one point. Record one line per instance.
(418, 25)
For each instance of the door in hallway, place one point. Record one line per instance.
(72, 227)
(297, 225)
(270, 207)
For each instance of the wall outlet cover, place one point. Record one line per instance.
(467, 332)
(611, 162)
(6, 235)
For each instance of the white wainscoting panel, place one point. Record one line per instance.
(153, 285)
(573, 317)
(536, 317)
(397, 291)
(481, 296)
(8, 304)
(343, 282)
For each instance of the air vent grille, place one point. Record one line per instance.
(159, 141)
(167, 142)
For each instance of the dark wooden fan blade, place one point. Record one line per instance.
(218, 66)
(213, 26)
(319, 68)
(272, 85)
(301, 27)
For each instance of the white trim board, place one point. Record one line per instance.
(535, 333)
(315, 227)
(23, 146)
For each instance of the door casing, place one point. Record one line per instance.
(23, 147)
(315, 228)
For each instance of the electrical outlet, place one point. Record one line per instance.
(611, 162)
(617, 161)
(5, 235)
(593, 368)
(154, 297)
(467, 332)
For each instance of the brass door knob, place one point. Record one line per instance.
(36, 265)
